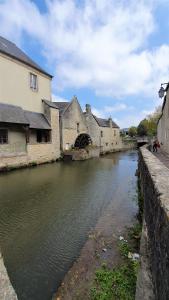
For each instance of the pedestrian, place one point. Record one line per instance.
(155, 146)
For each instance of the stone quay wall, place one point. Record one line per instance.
(154, 180)
(6, 290)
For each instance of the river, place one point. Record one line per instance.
(46, 214)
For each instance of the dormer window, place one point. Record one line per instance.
(33, 82)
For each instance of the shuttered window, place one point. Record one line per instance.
(3, 136)
(33, 82)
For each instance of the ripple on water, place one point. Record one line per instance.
(47, 212)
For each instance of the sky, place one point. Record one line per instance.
(112, 54)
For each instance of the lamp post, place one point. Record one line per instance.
(162, 90)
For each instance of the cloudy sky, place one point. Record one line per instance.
(112, 54)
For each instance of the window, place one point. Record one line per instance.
(67, 146)
(3, 136)
(43, 136)
(101, 133)
(33, 82)
(114, 132)
(106, 144)
(78, 128)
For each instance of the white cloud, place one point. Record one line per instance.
(56, 98)
(115, 108)
(96, 44)
(98, 112)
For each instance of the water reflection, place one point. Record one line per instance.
(47, 212)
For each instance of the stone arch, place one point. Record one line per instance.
(83, 140)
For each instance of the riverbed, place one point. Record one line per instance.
(46, 214)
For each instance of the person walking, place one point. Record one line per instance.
(156, 145)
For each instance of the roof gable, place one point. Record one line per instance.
(10, 49)
(62, 106)
(104, 122)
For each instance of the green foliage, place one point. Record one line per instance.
(124, 248)
(120, 283)
(116, 284)
(148, 126)
(132, 131)
(142, 128)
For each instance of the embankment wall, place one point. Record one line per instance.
(6, 290)
(154, 180)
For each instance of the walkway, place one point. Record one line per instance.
(163, 157)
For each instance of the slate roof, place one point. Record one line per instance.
(50, 103)
(12, 114)
(61, 106)
(16, 115)
(104, 122)
(10, 49)
(36, 120)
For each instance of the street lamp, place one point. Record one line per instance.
(162, 91)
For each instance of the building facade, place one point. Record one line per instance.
(29, 123)
(73, 129)
(163, 124)
(79, 129)
(104, 133)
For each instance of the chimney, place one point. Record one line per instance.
(110, 122)
(88, 109)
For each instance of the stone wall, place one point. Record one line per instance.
(154, 179)
(163, 125)
(73, 124)
(6, 290)
(82, 154)
(36, 153)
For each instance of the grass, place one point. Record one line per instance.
(116, 284)
(119, 283)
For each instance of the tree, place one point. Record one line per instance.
(132, 131)
(148, 126)
(142, 128)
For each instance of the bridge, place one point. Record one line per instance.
(142, 140)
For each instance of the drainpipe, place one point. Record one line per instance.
(60, 130)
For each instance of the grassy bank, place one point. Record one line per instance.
(120, 283)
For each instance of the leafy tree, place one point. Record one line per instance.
(142, 128)
(132, 131)
(148, 126)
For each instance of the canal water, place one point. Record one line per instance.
(46, 214)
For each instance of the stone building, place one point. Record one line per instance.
(29, 122)
(104, 133)
(73, 129)
(163, 124)
(78, 129)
